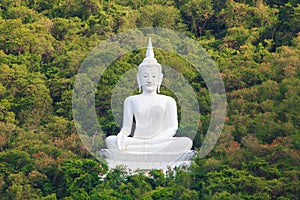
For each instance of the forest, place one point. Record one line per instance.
(255, 45)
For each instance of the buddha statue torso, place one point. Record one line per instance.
(150, 113)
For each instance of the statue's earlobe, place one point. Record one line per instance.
(160, 82)
(139, 83)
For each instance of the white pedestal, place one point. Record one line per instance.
(147, 161)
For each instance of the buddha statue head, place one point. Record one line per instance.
(149, 76)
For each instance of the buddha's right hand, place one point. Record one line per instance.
(121, 141)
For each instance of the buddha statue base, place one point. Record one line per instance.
(147, 161)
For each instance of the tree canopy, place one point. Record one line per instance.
(255, 44)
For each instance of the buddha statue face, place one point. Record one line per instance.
(149, 78)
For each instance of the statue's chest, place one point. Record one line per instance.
(154, 111)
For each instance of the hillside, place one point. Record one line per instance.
(254, 43)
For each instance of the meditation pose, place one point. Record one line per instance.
(155, 116)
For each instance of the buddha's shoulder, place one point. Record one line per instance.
(166, 98)
(132, 98)
(160, 97)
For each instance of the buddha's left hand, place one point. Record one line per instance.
(170, 132)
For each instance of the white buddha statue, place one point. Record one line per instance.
(155, 116)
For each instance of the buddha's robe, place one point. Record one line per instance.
(156, 126)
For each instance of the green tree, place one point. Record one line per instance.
(159, 16)
(19, 188)
(196, 15)
(19, 160)
(79, 174)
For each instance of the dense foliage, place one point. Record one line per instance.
(256, 45)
